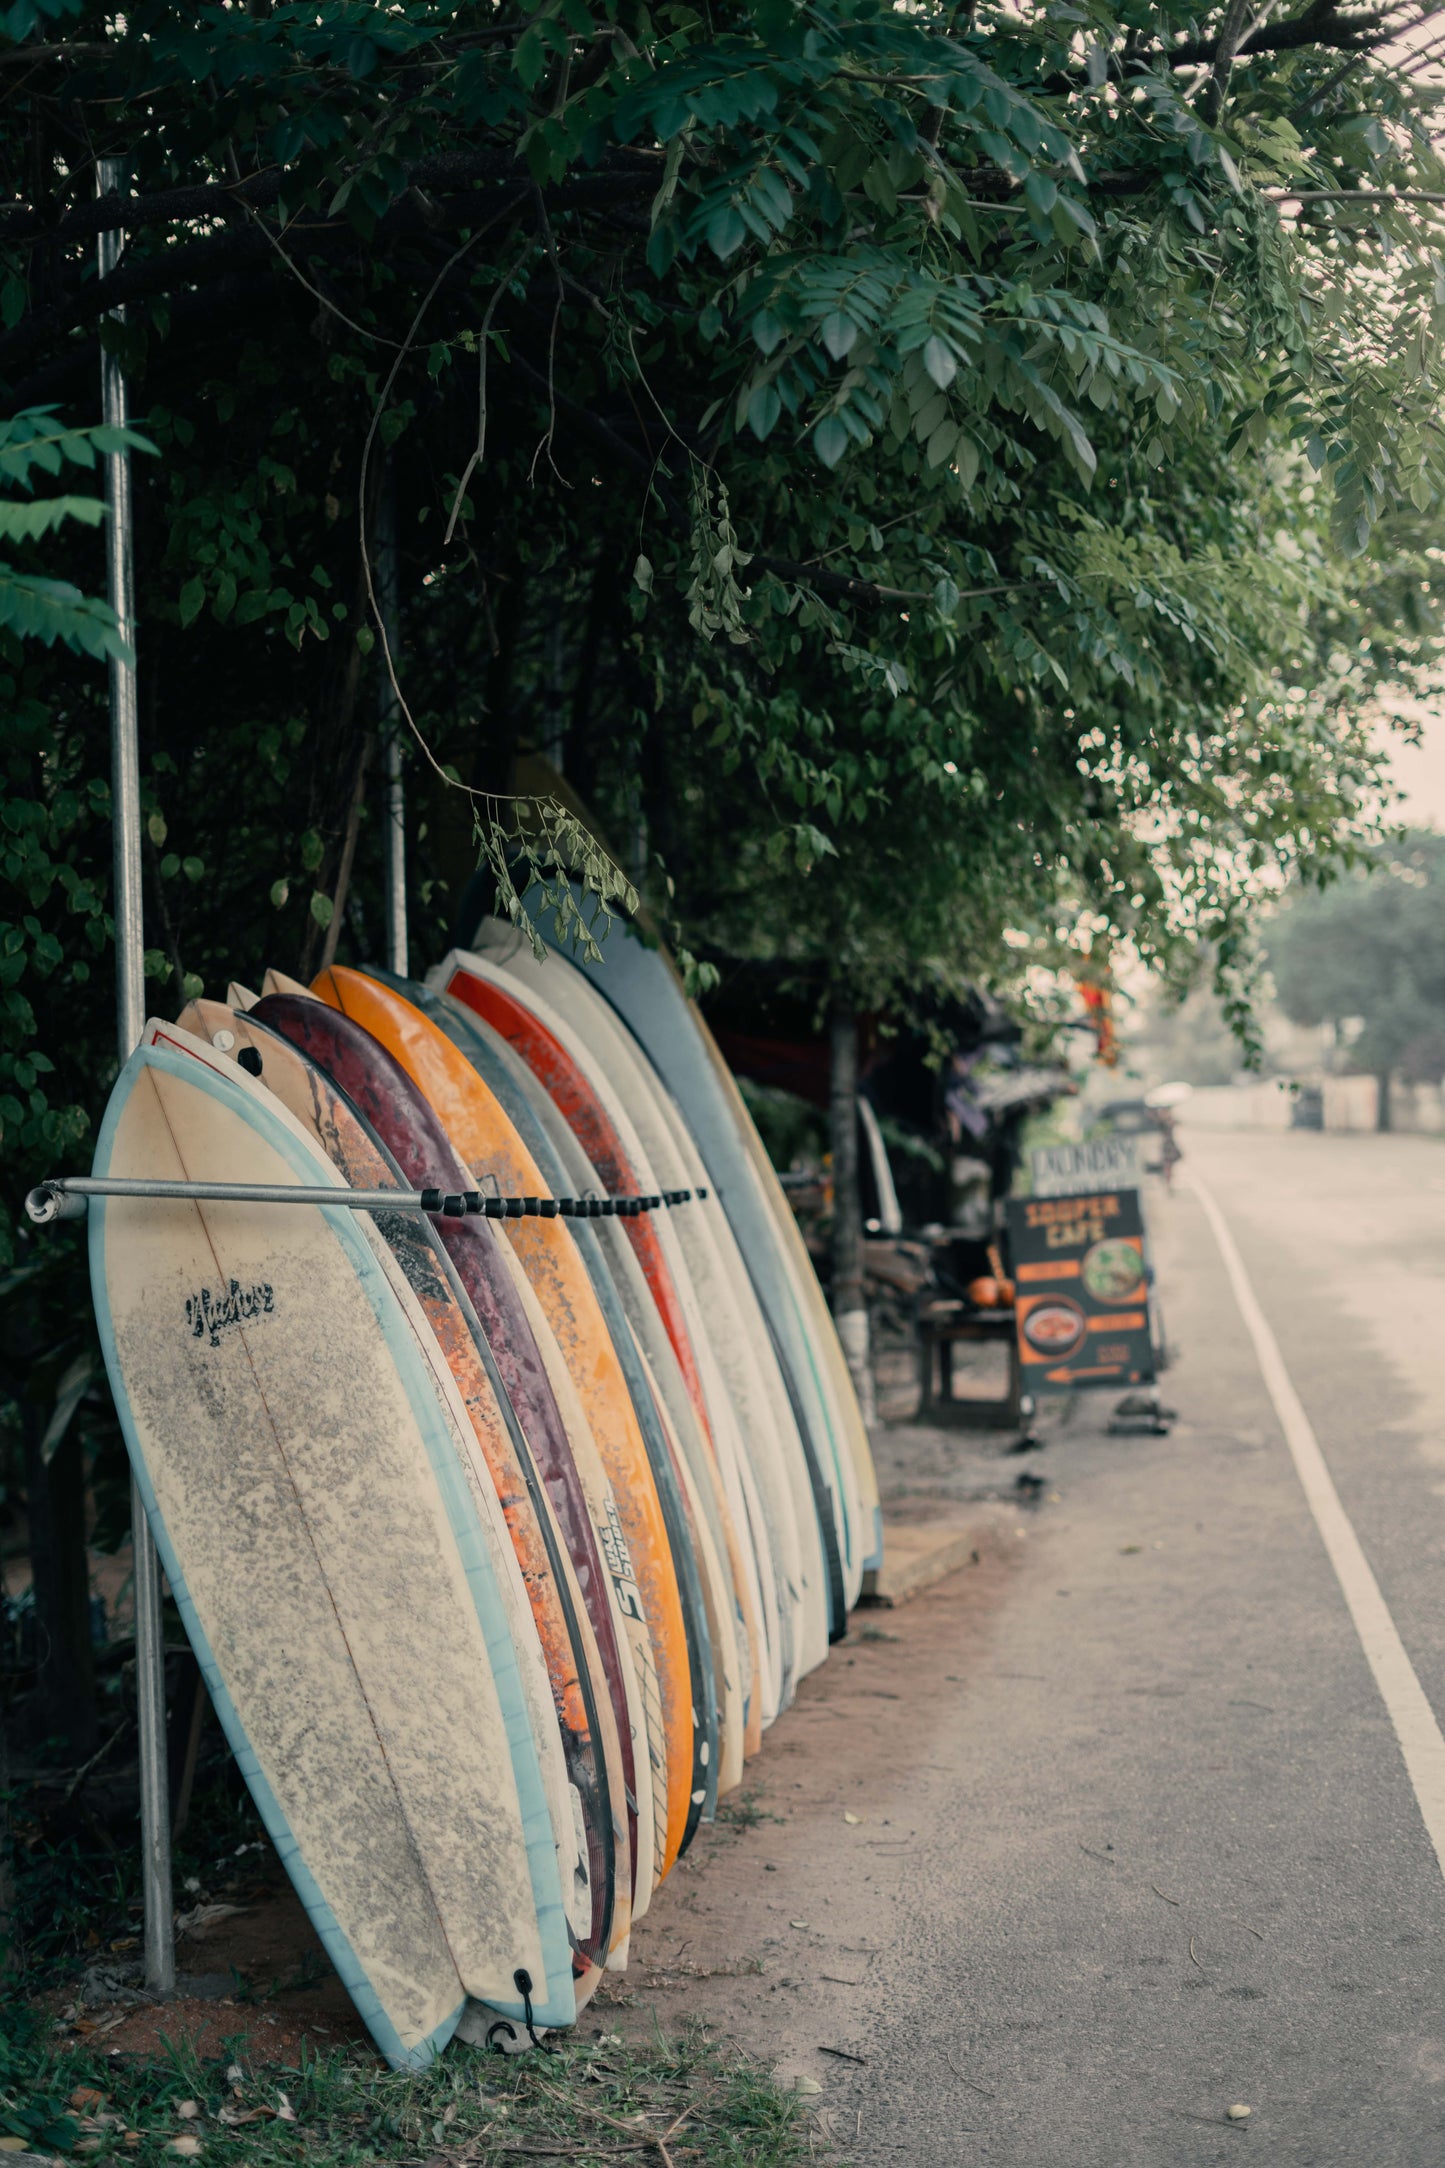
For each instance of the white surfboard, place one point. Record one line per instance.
(302, 1478)
(724, 1296)
(760, 1512)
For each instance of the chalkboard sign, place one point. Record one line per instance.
(1082, 1291)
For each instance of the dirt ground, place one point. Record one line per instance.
(264, 1987)
(780, 1898)
(783, 1901)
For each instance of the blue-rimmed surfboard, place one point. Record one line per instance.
(596, 1876)
(289, 1423)
(635, 1154)
(640, 987)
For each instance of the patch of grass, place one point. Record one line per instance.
(875, 1633)
(588, 2103)
(742, 1810)
(77, 1875)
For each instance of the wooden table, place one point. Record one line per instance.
(940, 1326)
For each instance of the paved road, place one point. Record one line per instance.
(1194, 1720)
(1144, 1845)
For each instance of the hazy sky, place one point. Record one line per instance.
(1420, 772)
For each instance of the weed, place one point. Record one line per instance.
(310, 1972)
(743, 1811)
(586, 2102)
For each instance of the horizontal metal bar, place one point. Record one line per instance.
(65, 1197)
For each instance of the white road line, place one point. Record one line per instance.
(1419, 1735)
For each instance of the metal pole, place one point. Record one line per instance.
(850, 1310)
(150, 1654)
(65, 1197)
(388, 604)
(397, 951)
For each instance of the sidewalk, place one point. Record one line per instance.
(793, 1890)
(945, 1481)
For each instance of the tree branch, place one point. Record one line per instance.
(1236, 20)
(1318, 26)
(221, 199)
(1355, 195)
(20, 56)
(219, 254)
(842, 584)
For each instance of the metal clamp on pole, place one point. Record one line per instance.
(53, 1201)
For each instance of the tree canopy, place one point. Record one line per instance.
(1370, 951)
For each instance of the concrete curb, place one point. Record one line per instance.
(926, 1540)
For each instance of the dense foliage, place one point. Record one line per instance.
(829, 405)
(921, 474)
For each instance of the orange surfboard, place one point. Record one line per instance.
(576, 1096)
(486, 1139)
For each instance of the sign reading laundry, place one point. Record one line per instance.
(1082, 1308)
(208, 1314)
(1062, 1170)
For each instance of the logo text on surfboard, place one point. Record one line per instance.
(208, 1314)
(619, 1564)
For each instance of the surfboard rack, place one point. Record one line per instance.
(67, 1197)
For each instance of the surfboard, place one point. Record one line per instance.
(846, 1414)
(326, 1556)
(786, 1466)
(640, 985)
(592, 1839)
(384, 1095)
(632, 1150)
(490, 1147)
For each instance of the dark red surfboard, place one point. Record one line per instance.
(384, 1096)
(576, 1100)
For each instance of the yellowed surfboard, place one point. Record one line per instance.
(341, 1592)
(489, 1144)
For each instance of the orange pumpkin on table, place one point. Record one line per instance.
(994, 1290)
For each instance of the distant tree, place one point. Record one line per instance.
(1189, 1040)
(1372, 946)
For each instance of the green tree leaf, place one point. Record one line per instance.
(830, 440)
